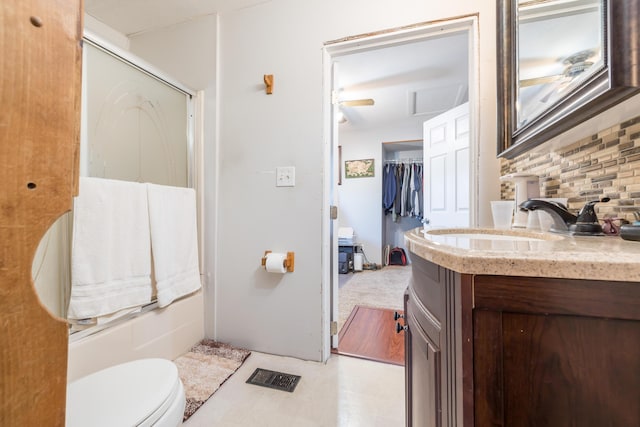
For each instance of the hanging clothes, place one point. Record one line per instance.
(416, 190)
(402, 189)
(405, 186)
(410, 190)
(420, 191)
(388, 187)
(397, 203)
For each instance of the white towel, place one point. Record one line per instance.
(174, 241)
(111, 252)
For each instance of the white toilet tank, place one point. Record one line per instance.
(145, 392)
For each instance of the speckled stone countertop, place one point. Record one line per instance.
(527, 253)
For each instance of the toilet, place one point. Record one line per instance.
(145, 392)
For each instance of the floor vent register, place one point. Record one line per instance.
(275, 380)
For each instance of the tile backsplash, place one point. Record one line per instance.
(606, 164)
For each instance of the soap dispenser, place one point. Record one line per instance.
(527, 187)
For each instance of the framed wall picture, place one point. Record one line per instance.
(358, 168)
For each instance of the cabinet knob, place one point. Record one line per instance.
(400, 328)
(397, 316)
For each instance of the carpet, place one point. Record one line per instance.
(370, 333)
(381, 288)
(203, 370)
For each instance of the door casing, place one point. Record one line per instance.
(350, 45)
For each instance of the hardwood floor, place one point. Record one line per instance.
(381, 288)
(370, 333)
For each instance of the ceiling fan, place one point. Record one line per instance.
(357, 102)
(575, 65)
(342, 117)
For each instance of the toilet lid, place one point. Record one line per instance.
(131, 394)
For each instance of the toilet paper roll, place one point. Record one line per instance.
(275, 262)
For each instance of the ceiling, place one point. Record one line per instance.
(409, 83)
(131, 17)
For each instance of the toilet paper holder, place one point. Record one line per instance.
(288, 262)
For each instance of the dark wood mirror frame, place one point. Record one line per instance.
(618, 80)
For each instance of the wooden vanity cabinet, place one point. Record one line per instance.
(437, 346)
(556, 352)
(520, 351)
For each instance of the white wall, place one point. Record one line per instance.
(259, 132)
(359, 203)
(186, 51)
(105, 32)
(360, 199)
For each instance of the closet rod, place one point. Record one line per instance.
(399, 161)
(406, 141)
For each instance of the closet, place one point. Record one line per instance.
(402, 190)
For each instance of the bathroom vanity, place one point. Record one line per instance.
(509, 328)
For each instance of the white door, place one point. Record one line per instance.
(447, 173)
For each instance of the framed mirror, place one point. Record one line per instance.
(561, 62)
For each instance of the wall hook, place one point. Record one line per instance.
(268, 81)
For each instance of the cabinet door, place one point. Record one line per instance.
(556, 352)
(423, 375)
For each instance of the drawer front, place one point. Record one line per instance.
(418, 316)
(427, 285)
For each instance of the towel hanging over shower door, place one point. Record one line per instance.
(174, 241)
(111, 252)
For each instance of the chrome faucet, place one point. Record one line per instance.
(586, 222)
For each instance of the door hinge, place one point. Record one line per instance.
(333, 212)
(334, 328)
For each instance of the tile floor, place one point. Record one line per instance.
(344, 392)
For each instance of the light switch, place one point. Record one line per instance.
(286, 176)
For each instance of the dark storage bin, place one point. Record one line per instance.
(345, 262)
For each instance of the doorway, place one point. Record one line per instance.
(425, 94)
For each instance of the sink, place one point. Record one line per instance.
(490, 239)
(493, 234)
(482, 236)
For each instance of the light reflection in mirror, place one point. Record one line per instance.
(50, 268)
(560, 45)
